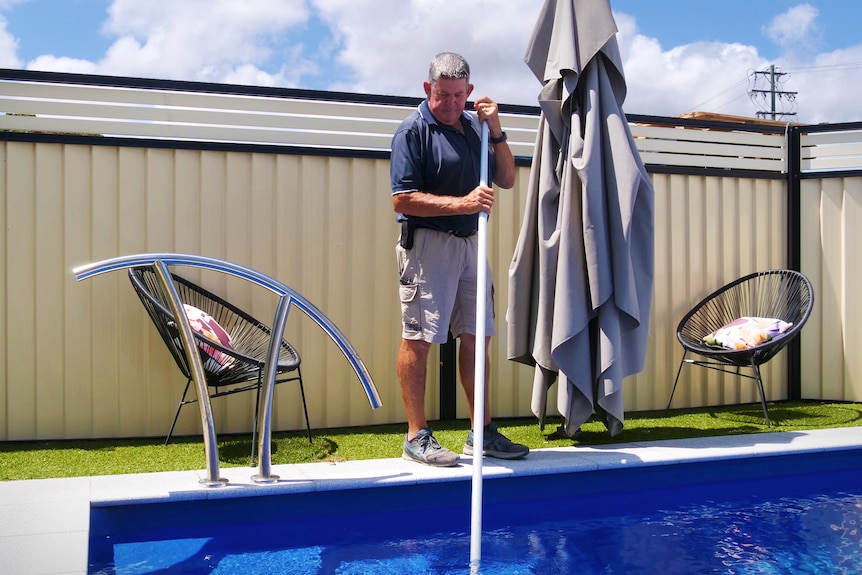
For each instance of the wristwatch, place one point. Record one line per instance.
(503, 137)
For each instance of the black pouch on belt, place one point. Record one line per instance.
(407, 231)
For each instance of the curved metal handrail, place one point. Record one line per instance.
(288, 297)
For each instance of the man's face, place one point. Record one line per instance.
(447, 98)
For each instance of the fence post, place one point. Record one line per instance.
(794, 248)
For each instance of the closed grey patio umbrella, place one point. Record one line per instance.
(581, 278)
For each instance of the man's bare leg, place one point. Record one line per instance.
(495, 443)
(412, 364)
(467, 371)
(419, 445)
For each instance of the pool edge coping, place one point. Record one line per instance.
(375, 473)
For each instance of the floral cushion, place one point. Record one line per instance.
(204, 324)
(746, 332)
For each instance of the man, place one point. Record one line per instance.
(436, 193)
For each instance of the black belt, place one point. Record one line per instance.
(407, 232)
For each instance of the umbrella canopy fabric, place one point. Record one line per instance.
(581, 278)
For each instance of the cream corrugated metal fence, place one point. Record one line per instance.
(83, 360)
(832, 232)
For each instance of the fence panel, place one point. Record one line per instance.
(832, 226)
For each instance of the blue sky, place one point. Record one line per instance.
(679, 22)
(679, 56)
(43, 27)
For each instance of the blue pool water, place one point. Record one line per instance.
(799, 514)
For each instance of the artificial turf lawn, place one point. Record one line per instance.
(75, 458)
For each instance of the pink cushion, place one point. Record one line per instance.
(204, 324)
(746, 332)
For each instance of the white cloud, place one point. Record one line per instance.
(49, 63)
(797, 26)
(6, 4)
(828, 85)
(390, 55)
(704, 76)
(697, 77)
(206, 40)
(825, 84)
(8, 47)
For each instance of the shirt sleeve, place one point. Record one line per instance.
(405, 165)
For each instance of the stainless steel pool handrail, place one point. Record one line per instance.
(264, 432)
(288, 297)
(197, 368)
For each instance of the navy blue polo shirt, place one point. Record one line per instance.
(437, 159)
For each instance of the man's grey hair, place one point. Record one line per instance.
(448, 65)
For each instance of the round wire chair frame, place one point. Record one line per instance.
(780, 294)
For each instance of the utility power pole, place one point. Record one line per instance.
(773, 93)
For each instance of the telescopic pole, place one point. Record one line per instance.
(479, 379)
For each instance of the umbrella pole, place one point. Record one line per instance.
(479, 379)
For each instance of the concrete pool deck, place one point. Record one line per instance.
(45, 522)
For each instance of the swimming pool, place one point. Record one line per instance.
(789, 513)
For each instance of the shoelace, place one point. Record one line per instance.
(428, 440)
(497, 439)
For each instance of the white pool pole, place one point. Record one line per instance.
(479, 379)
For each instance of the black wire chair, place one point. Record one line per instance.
(229, 370)
(780, 294)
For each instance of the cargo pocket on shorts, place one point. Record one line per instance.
(407, 292)
(411, 310)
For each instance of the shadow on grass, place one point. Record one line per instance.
(789, 415)
(711, 421)
(285, 448)
(96, 445)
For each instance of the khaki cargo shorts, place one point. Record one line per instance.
(438, 287)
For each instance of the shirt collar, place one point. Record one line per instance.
(425, 110)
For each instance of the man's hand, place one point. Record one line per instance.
(480, 199)
(504, 170)
(486, 111)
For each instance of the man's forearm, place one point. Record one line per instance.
(504, 170)
(425, 205)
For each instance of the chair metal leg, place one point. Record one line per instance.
(675, 381)
(177, 414)
(257, 414)
(762, 395)
(304, 406)
(256, 417)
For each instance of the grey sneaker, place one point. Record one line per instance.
(496, 444)
(424, 449)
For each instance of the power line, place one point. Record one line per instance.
(729, 89)
(828, 68)
(767, 100)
